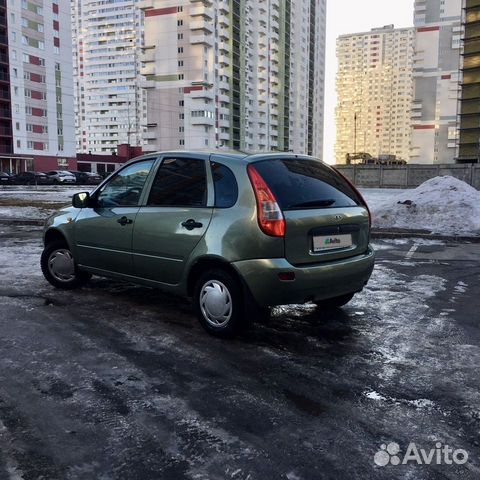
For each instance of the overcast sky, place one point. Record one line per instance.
(350, 16)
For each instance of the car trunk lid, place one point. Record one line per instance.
(326, 218)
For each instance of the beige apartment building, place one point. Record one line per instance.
(437, 81)
(234, 74)
(375, 91)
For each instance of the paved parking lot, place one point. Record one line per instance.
(120, 382)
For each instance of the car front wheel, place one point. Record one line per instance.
(219, 303)
(59, 268)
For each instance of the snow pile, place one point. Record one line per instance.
(442, 205)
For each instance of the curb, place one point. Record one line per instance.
(422, 234)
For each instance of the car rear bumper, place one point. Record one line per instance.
(312, 282)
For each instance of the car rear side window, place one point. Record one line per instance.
(301, 184)
(180, 182)
(226, 188)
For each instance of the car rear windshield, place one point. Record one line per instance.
(301, 184)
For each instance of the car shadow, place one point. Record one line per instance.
(290, 328)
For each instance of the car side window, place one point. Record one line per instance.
(226, 188)
(125, 188)
(180, 182)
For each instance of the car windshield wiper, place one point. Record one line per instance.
(328, 202)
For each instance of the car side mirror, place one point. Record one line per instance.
(81, 200)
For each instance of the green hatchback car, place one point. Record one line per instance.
(238, 233)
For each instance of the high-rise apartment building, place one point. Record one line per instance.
(374, 89)
(36, 93)
(469, 141)
(109, 104)
(237, 74)
(436, 80)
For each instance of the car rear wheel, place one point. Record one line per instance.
(335, 302)
(59, 268)
(219, 303)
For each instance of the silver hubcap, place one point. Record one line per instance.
(61, 265)
(216, 303)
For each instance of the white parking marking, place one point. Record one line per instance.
(411, 252)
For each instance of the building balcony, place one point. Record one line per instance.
(201, 39)
(205, 2)
(201, 10)
(202, 94)
(223, 98)
(224, 136)
(222, 85)
(224, 60)
(148, 56)
(148, 69)
(224, 6)
(224, 20)
(224, 123)
(207, 121)
(147, 4)
(201, 25)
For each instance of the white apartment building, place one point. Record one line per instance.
(374, 93)
(37, 125)
(109, 102)
(436, 80)
(234, 74)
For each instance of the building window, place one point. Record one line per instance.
(179, 9)
(180, 63)
(179, 23)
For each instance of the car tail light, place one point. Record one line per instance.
(269, 214)
(354, 188)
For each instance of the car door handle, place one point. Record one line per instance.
(124, 221)
(191, 224)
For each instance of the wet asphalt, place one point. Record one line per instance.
(115, 381)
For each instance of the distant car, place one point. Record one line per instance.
(87, 178)
(31, 178)
(5, 178)
(61, 176)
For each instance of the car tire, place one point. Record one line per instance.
(56, 267)
(336, 302)
(219, 303)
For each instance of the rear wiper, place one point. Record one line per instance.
(314, 203)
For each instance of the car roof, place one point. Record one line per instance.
(230, 155)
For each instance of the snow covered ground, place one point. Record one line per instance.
(22, 202)
(441, 205)
(377, 197)
(51, 194)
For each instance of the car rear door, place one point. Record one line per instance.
(174, 219)
(325, 217)
(103, 233)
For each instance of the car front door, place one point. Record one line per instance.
(173, 220)
(103, 233)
